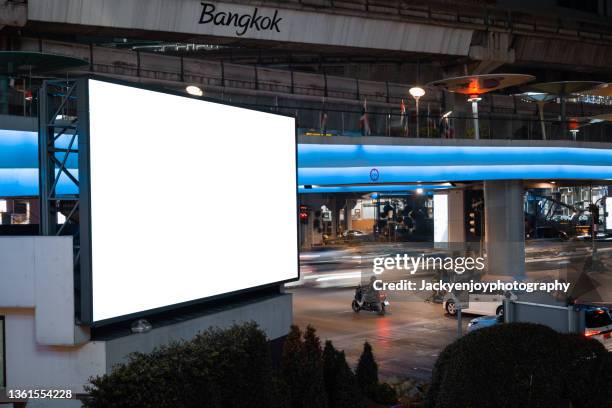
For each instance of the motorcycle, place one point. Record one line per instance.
(379, 306)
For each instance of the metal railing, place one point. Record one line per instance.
(317, 119)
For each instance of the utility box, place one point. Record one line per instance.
(564, 319)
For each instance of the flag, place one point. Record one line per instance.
(364, 123)
(403, 118)
(434, 123)
(431, 123)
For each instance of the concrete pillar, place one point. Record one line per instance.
(456, 216)
(34, 211)
(309, 234)
(449, 219)
(335, 210)
(4, 96)
(348, 214)
(505, 227)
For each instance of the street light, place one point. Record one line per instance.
(194, 90)
(475, 99)
(416, 93)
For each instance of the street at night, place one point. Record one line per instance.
(408, 339)
(305, 204)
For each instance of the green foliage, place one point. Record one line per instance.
(340, 382)
(520, 365)
(219, 368)
(367, 378)
(302, 369)
(506, 365)
(291, 365)
(232, 368)
(312, 376)
(367, 369)
(587, 372)
(382, 393)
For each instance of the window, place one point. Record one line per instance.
(597, 318)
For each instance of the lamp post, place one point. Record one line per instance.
(474, 86)
(416, 92)
(475, 99)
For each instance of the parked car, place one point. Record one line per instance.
(478, 303)
(485, 321)
(599, 325)
(353, 233)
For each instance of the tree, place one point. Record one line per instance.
(291, 365)
(314, 385)
(367, 378)
(340, 382)
(367, 369)
(302, 369)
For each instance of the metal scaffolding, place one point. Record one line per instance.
(63, 124)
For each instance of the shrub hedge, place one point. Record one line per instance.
(520, 365)
(218, 368)
(232, 368)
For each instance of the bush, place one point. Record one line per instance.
(218, 368)
(340, 382)
(382, 393)
(521, 364)
(513, 365)
(587, 372)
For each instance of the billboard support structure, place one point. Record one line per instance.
(63, 132)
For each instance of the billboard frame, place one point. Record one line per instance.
(74, 96)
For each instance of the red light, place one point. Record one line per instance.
(303, 216)
(573, 125)
(589, 333)
(27, 95)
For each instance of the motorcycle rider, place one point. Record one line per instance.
(369, 293)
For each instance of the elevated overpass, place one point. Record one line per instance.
(345, 164)
(454, 33)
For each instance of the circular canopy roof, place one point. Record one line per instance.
(563, 87)
(537, 96)
(602, 90)
(23, 62)
(480, 84)
(606, 117)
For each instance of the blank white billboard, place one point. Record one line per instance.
(189, 199)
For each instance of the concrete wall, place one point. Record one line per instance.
(564, 319)
(31, 365)
(274, 315)
(185, 17)
(44, 347)
(38, 272)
